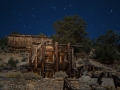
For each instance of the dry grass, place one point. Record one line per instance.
(17, 75)
(30, 75)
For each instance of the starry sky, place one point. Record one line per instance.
(37, 16)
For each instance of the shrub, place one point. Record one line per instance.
(109, 88)
(60, 74)
(11, 62)
(24, 59)
(80, 62)
(5, 66)
(31, 75)
(118, 68)
(0, 58)
(1, 68)
(3, 47)
(36, 76)
(17, 75)
(17, 61)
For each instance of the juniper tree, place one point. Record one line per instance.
(71, 29)
(106, 47)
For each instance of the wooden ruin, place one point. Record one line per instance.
(45, 57)
(50, 58)
(18, 42)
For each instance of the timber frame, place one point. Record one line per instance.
(44, 55)
(46, 58)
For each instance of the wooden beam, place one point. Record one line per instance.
(56, 55)
(24, 41)
(43, 68)
(72, 45)
(67, 85)
(14, 41)
(35, 52)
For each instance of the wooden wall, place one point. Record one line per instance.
(24, 42)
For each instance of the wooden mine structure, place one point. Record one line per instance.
(18, 42)
(45, 57)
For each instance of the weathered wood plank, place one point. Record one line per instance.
(43, 51)
(56, 55)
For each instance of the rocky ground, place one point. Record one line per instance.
(34, 84)
(15, 80)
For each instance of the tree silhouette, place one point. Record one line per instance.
(106, 47)
(72, 29)
(42, 35)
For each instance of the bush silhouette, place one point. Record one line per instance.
(12, 62)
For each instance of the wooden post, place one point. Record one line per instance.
(93, 68)
(25, 42)
(56, 55)
(31, 40)
(69, 59)
(43, 68)
(14, 42)
(73, 60)
(30, 54)
(35, 52)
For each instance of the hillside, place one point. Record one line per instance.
(4, 57)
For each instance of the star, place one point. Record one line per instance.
(111, 10)
(33, 16)
(54, 7)
(64, 8)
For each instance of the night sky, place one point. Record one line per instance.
(37, 16)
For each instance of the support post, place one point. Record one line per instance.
(69, 59)
(43, 68)
(93, 68)
(35, 53)
(14, 43)
(56, 55)
(30, 55)
(25, 42)
(73, 60)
